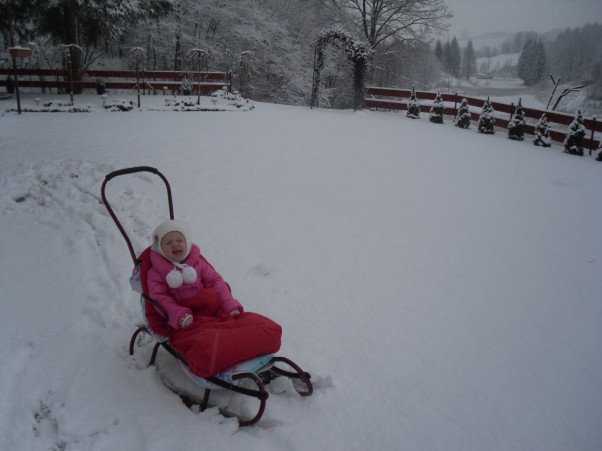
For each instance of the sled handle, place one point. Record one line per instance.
(125, 171)
(131, 171)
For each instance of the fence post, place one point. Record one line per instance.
(455, 104)
(17, 84)
(591, 144)
(18, 52)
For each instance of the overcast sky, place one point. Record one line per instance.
(482, 16)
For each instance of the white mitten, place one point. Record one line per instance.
(185, 320)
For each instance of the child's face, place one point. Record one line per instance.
(173, 246)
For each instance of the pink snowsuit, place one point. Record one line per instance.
(170, 298)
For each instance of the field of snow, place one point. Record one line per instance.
(493, 63)
(442, 287)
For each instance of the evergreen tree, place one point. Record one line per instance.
(516, 126)
(413, 107)
(532, 62)
(575, 52)
(463, 117)
(91, 25)
(15, 21)
(455, 58)
(436, 113)
(523, 67)
(540, 64)
(439, 50)
(542, 132)
(487, 119)
(469, 61)
(573, 142)
(446, 56)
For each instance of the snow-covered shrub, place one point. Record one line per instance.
(542, 132)
(119, 105)
(573, 143)
(436, 113)
(487, 119)
(101, 87)
(463, 117)
(186, 87)
(181, 103)
(221, 100)
(516, 126)
(413, 107)
(232, 99)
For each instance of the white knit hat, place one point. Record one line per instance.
(164, 228)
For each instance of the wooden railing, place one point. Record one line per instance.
(393, 99)
(120, 79)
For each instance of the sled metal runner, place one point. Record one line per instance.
(265, 369)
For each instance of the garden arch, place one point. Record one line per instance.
(357, 53)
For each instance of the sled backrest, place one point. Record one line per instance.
(126, 171)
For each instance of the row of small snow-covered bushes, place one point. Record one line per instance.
(573, 143)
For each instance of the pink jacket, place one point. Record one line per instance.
(169, 297)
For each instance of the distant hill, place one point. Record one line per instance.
(493, 40)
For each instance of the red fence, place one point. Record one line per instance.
(120, 79)
(391, 99)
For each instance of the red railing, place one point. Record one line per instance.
(392, 99)
(120, 79)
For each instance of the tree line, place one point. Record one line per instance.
(267, 44)
(573, 55)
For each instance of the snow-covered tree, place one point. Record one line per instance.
(15, 21)
(532, 62)
(573, 142)
(516, 126)
(413, 107)
(469, 61)
(89, 27)
(486, 122)
(436, 113)
(264, 43)
(452, 57)
(439, 50)
(575, 52)
(411, 22)
(463, 117)
(542, 132)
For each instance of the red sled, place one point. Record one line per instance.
(219, 352)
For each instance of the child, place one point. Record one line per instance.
(180, 276)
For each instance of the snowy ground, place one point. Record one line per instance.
(442, 286)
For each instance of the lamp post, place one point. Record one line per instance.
(18, 52)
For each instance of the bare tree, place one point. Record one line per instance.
(411, 22)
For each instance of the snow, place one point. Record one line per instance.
(441, 286)
(498, 61)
